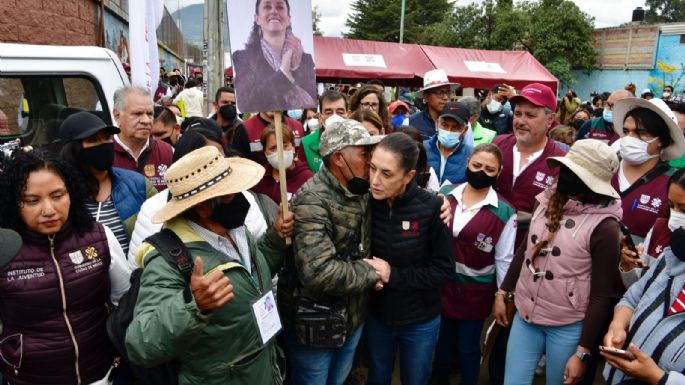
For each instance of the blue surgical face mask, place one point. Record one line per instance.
(295, 114)
(608, 115)
(448, 139)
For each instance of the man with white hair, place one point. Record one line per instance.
(134, 148)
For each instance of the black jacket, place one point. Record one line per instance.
(418, 247)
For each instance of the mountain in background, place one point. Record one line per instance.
(191, 23)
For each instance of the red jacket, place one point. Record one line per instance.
(158, 161)
(294, 179)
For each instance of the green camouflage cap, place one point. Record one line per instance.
(344, 133)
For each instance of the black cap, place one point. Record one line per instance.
(10, 244)
(82, 125)
(457, 111)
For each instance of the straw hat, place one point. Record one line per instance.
(623, 106)
(436, 78)
(594, 162)
(204, 174)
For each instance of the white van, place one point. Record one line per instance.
(41, 85)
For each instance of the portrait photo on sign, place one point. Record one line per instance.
(272, 54)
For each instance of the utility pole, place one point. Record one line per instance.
(402, 22)
(213, 47)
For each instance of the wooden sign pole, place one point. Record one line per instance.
(278, 121)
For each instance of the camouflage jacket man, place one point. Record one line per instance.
(327, 216)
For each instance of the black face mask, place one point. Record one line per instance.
(598, 112)
(479, 179)
(356, 185)
(678, 243)
(231, 215)
(168, 140)
(100, 157)
(422, 179)
(228, 112)
(577, 123)
(569, 184)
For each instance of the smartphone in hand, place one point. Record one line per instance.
(631, 245)
(617, 352)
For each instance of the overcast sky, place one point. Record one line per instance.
(334, 13)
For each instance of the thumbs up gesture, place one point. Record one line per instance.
(211, 291)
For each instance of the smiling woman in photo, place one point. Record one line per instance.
(273, 72)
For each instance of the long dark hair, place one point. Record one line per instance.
(256, 33)
(13, 187)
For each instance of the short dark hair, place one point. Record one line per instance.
(490, 148)
(187, 143)
(375, 82)
(166, 117)
(13, 186)
(226, 89)
(653, 123)
(404, 147)
(191, 83)
(331, 96)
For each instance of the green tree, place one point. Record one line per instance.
(316, 21)
(665, 11)
(380, 19)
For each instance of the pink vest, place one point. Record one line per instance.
(560, 297)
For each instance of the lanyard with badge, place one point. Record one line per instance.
(264, 309)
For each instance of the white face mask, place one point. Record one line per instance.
(666, 95)
(288, 156)
(494, 106)
(634, 150)
(313, 124)
(675, 220)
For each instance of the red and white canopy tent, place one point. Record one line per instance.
(482, 68)
(349, 61)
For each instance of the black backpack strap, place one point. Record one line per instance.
(174, 251)
(651, 174)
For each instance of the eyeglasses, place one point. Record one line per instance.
(441, 93)
(367, 105)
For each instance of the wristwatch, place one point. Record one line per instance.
(583, 357)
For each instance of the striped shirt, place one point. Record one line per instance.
(106, 214)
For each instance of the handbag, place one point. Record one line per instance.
(322, 322)
(320, 325)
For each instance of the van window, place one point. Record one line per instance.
(33, 107)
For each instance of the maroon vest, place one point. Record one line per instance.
(534, 179)
(661, 238)
(470, 297)
(32, 301)
(643, 205)
(159, 155)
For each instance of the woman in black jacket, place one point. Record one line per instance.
(413, 255)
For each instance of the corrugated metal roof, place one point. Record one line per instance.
(672, 29)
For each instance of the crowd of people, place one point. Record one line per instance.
(405, 231)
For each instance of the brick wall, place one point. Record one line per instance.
(58, 22)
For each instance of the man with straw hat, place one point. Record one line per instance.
(436, 92)
(223, 332)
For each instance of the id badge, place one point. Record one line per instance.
(265, 313)
(485, 247)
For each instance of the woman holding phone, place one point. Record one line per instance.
(273, 72)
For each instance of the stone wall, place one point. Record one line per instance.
(57, 22)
